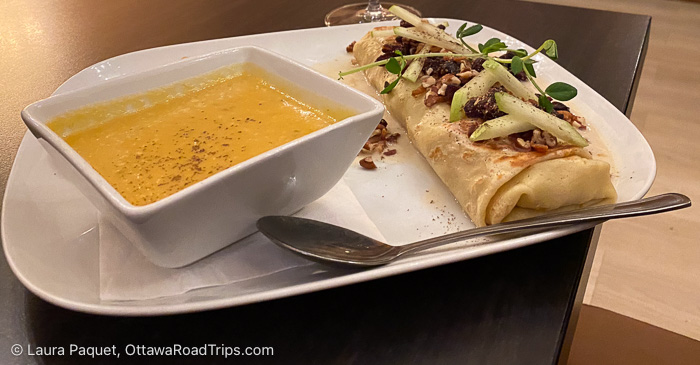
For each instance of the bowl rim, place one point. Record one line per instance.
(141, 212)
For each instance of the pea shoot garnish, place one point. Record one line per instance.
(396, 66)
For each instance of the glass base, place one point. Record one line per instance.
(358, 13)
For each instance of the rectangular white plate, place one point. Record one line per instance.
(49, 234)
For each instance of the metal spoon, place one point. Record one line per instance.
(326, 242)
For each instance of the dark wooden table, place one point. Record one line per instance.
(517, 307)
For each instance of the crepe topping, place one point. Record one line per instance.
(447, 69)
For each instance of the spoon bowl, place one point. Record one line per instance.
(327, 242)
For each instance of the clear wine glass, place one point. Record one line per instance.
(372, 11)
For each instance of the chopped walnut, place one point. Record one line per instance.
(350, 47)
(428, 82)
(417, 91)
(368, 163)
(539, 147)
(549, 139)
(566, 115)
(543, 139)
(522, 143)
(467, 75)
(380, 138)
(574, 120)
(391, 138)
(537, 137)
(432, 98)
(451, 79)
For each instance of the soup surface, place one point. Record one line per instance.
(152, 145)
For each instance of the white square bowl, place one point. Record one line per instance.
(215, 212)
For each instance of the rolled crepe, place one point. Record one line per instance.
(491, 184)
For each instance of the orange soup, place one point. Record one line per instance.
(151, 145)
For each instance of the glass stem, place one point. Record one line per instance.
(374, 11)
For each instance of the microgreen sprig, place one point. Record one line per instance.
(492, 45)
(463, 31)
(396, 66)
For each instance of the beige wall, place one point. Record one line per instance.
(649, 268)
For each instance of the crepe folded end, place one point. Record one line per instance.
(552, 186)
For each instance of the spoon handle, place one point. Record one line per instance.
(597, 214)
